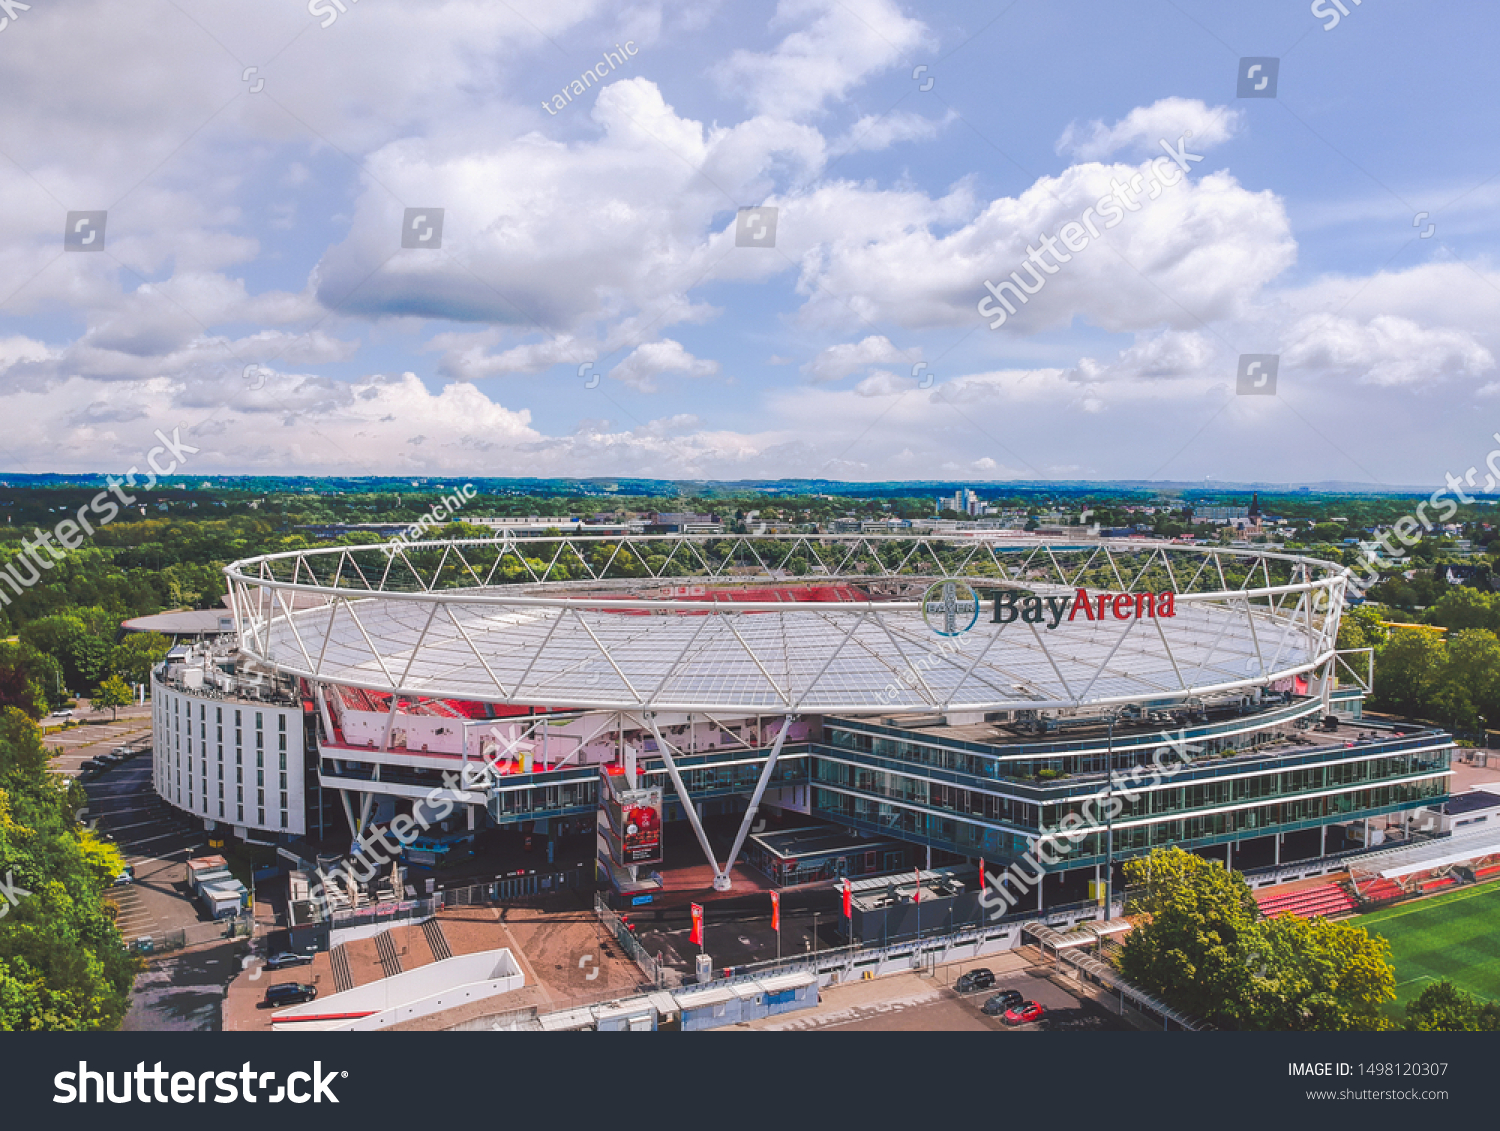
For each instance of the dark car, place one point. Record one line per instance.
(1002, 1002)
(282, 961)
(1025, 1013)
(289, 993)
(979, 979)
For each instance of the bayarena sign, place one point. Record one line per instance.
(1010, 604)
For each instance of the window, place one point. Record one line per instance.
(281, 721)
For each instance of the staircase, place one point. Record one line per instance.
(436, 940)
(343, 976)
(385, 947)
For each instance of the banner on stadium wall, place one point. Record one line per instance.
(640, 826)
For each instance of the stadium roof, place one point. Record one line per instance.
(1393, 863)
(548, 644)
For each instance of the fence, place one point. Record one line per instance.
(632, 946)
(241, 927)
(504, 889)
(384, 913)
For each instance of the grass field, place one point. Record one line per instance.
(1455, 936)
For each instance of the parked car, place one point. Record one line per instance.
(1025, 1013)
(65, 713)
(981, 978)
(1002, 1002)
(289, 993)
(282, 961)
(125, 877)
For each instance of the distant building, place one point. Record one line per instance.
(1219, 514)
(964, 501)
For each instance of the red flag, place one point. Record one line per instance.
(916, 896)
(775, 911)
(697, 935)
(848, 899)
(981, 873)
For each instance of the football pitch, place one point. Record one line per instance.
(1455, 936)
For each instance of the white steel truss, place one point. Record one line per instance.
(614, 623)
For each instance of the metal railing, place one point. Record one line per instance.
(632, 946)
(505, 888)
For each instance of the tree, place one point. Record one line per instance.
(1188, 946)
(1444, 1008)
(113, 693)
(1469, 679)
(134, 657)
(1407, 670)
(28, 679)
(1200, 946)
(1314, 975)
(63, 964)
(1464, 607)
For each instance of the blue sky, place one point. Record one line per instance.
(254, 220)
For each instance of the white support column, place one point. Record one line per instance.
(721, 879)
(1278, 850)
(1322, 840)
(760, 789)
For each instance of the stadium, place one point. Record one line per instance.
(890, 703)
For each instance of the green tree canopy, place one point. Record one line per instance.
(63, 964)
(1189, 951)
(1444, 1008)
(1201, 946)
(1310, 974)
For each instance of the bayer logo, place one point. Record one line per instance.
(950, 607)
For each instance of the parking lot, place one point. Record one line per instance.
(922, 1003)
(156, 842)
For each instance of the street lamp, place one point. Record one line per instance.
(1109, 817)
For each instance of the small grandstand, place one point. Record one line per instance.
(1318, 901)
(1423, 869)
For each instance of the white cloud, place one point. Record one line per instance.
(837, 362)
(842, 42)
(648, 362)
(881, 131)
(1386, 350)
(1145, 127)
